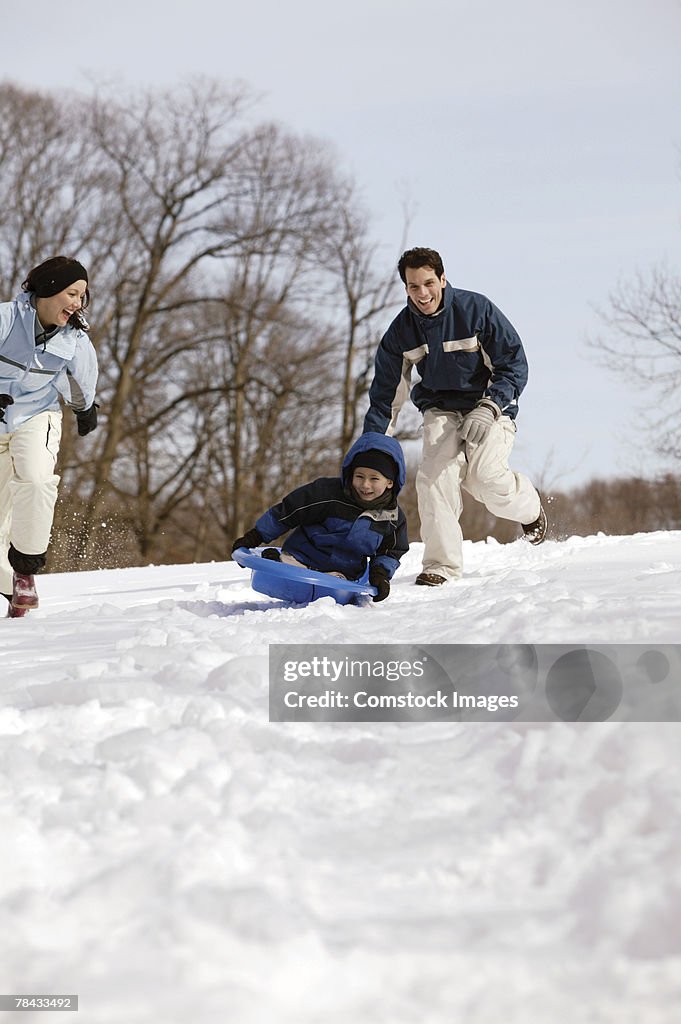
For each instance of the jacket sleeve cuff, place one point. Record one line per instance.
(268, 527)
(489, 403)
(385, 562)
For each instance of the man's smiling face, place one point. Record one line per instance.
(424, 288)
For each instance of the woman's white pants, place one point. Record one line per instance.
(28, 488)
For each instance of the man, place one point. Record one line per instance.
(472, 368)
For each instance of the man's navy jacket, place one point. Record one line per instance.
(467, 351)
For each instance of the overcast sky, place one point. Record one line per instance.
(539, 146)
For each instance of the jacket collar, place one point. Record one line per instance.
(447, 301)
(62, 343)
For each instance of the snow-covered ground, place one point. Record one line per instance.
(170, 855)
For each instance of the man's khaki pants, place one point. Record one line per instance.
(450, 464)
(28, 488)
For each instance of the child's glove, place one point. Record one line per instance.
(378, 577)
(5, 400)
(250, 539)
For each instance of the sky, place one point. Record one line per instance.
(169, 854)
(537, 146)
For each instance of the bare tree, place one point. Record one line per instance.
(50, 182)
(642, 344)
(362, 294)
(197, 191)
(274, 369)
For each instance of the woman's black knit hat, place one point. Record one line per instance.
(54, 275)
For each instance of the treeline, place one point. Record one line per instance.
(614, 507)
(237, 301)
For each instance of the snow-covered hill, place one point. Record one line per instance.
(170, 855)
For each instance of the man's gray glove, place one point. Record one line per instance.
(478, 423)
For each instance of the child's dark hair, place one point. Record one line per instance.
(417, 258)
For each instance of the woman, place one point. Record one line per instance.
(45, 355)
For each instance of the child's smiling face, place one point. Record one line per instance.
(369, 483)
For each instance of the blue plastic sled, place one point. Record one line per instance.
(291, 583)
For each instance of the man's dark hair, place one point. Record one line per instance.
(417, 258)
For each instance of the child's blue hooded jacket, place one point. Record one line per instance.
(332, 530)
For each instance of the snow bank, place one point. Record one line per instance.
(169, 854)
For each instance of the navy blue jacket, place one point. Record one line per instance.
(466, 351)
(332, 532)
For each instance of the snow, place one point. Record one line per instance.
(170, 855)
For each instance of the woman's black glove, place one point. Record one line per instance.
(87, 419)
(378, 577)
(5, 400)
(250, 539)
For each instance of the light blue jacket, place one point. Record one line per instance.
(36, 376)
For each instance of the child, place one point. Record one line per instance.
(340, 522)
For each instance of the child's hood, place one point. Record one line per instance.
(372, 441)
